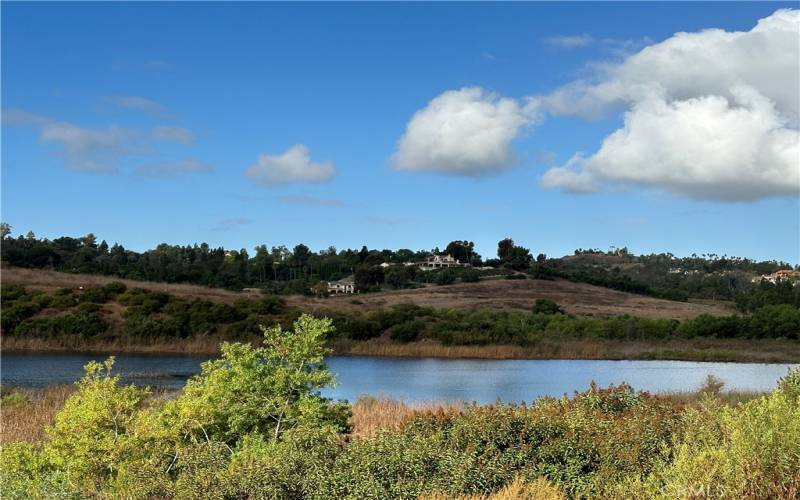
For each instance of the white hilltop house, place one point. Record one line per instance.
(440, 262)
(344, 285)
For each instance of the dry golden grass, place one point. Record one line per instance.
(25, 417)
(540, 489)
(372, 415)
(576, 298)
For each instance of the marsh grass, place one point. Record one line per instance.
(372, 415)
(200, 345)
(735, 350)
(25, 413)
(540, 489)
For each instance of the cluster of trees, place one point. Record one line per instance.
(252, 424)
(664, 275)
(297, 271)
(277, 269)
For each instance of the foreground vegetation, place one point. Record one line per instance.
(253, 425)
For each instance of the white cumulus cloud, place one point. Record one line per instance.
(293, 166)
(709, 115)
(464, 132)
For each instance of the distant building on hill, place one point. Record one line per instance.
(344, 285)
(440, 262)
(782, 275)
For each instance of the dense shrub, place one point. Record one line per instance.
(775, 321)
(546, 306)
(443, 277)
(15, 313)
(81, 324)
(95, 294)
(746, 451)
(115, 288)
(407, 332)
(470, 276)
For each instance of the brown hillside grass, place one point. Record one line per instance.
(50, 281)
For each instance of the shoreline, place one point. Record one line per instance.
(702, 350)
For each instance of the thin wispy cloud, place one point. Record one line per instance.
(173, 168)
(616, 47)
(158, 65)
(150, 65)
(231, 223)
(93, 149)
(138, 103)
(570, 41)
(312, 201)
(19, 117)
(173, 134)
(102, 149)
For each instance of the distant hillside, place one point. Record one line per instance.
(574, 298)
(516, 318)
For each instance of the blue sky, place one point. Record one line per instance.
(152, 122)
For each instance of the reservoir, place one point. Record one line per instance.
(422, 379)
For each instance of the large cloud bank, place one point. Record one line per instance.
(707, 115)
(710, 115)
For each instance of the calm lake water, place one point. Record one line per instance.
(423, 379)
